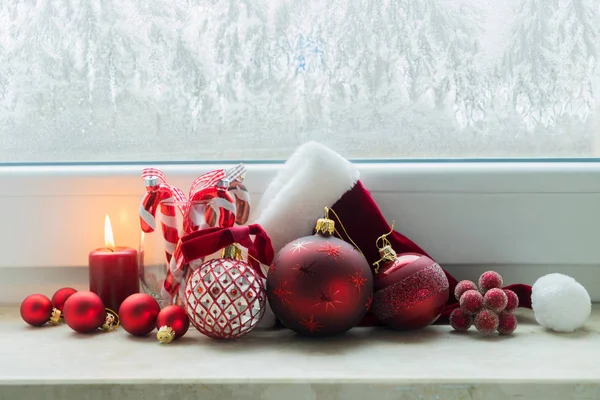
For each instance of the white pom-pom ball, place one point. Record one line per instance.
(560, 303)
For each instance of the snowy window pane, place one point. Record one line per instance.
(137, 80)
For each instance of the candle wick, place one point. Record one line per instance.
(111, 250)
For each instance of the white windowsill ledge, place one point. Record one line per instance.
(434, 363)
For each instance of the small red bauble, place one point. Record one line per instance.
(36, 309)
(489, 280)
(486, 321)
(410, 292)
(512, 300)
(507, 323)
(58, 302)
(84, 312)
(460, 320)
(138, 314)
(61, 296)
(172, 323)
(462, 287)
(495, 300)
(225, 298)
(320, 285)
(471, 302)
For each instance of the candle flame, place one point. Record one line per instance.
(109, 239)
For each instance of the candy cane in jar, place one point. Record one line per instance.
(242, 200)
(216, 207)
(163, 198)
(167, 198)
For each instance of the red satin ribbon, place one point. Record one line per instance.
(207, 241)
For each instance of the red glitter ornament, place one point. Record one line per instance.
(138, 314)
(320, 285)
(512, 300)
(495, 300)
(471, 302)
(410, 292)
(36, 309)
(486, 321)
(84, 312)
(172, 323)
(489, 280)
(460, 320)
(507, 323)
(462, 287)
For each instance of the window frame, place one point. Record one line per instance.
(469, 215)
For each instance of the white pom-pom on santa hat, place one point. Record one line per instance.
(560, 303)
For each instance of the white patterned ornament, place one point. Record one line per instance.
(225, 298)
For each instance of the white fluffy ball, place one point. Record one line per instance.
(560, 303)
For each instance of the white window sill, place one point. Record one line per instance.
(522, 219)
(434, 363)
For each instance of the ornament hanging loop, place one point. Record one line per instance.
(386, 251)
(327, 209)
(111, 322)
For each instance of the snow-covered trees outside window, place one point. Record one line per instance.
(131, 80)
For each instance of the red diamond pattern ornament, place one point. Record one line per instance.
(225, 298)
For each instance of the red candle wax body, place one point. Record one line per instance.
(114, 275)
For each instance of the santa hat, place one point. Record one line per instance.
(315, 177)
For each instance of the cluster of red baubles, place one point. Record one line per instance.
(489, 307)
(316, 286)
(84, 312)
(322, 286)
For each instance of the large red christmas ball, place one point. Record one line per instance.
(225, 298)
(84, 312)
(410, 292)
(138, 314)
(172, 323)
(319, 286)
(36, 309)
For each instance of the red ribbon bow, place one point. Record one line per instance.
(207, 241)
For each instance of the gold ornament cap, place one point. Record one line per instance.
(387, 253)
(233, 252)
(165, 334)
(325, 226)
(56, 316)
(111, 321)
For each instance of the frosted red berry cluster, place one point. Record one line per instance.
(489, 307)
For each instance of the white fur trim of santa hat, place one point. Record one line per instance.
(313, 178)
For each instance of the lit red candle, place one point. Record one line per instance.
(113, 271)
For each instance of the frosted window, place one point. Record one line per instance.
(100, 80)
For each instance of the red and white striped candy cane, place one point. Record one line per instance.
(242, 201)
(210, 179)
(213, 206)
(161, 196)
(212, 189)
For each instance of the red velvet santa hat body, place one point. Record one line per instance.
(315, 177)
